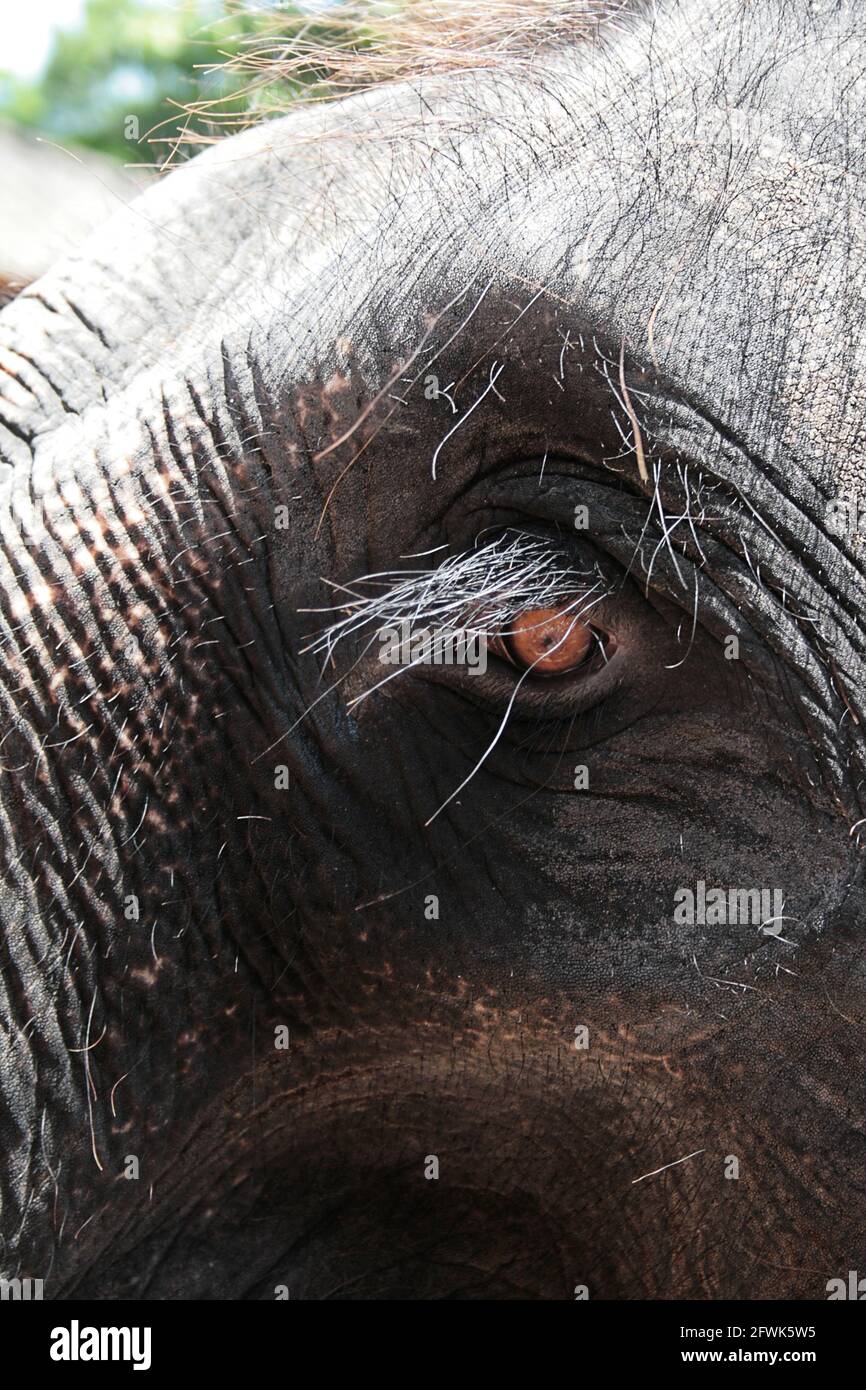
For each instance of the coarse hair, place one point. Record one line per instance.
(331, 51)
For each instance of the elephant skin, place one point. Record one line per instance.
(345, 992)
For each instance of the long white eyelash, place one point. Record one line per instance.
(474, 593)
(502, 577)
(578, 606)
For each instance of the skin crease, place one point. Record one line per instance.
(641, 260)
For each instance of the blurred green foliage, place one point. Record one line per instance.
(146, 59)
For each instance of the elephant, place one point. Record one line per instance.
(524, 969)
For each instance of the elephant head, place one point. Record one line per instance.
(341, 962)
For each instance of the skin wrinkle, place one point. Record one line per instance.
(838, 605)
(136, 704)
(301, 269)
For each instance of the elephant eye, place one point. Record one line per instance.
(547, 641)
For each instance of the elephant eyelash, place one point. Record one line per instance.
(475, 594)
(472, 595)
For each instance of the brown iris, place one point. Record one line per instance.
(550, 640)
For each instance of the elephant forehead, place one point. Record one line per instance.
(689, 182)
(754, 302)
(685, 178)
(715, 200)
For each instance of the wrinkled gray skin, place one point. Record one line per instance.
(687, 188)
